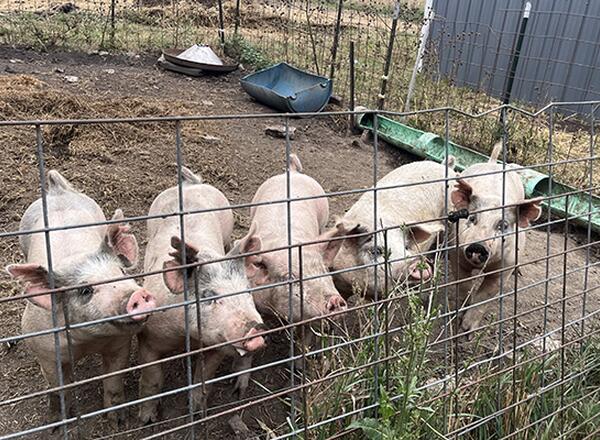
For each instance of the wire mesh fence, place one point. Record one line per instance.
(435, 305)
(464, 57)
(311, 34)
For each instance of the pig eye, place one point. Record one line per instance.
(86, 291)
(209, 297)
(378, 252)
(502, 226)
(473, 219)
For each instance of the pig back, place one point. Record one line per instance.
(406, 204)
(207, 231)
(64, 209)
(309, 217)
(195, 197)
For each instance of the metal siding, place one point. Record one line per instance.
(560, 58)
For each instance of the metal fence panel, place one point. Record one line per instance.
(375, 358)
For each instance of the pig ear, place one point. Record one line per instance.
(421, 233)
(174, 278)
(35, 278)
(354, 228)
(331, 248)
(121, 241)
(251, 242)
(461, 195)
(255, 265)
(529, 211)
(191, 252)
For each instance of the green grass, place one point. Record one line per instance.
(237, 47)
(410, 409)
(88, 31)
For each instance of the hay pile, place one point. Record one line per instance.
(120, 165)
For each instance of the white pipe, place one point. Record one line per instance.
(428, 16)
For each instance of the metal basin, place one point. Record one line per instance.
(172, 56)
(288, 89)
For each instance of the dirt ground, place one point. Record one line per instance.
(127, 165)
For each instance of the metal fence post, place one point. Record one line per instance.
(336, 38)
(351, 126)
(516, 52)
(428, 16)
(388, 57)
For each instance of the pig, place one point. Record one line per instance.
(308, 221)
(481, 249)
(223, 319)
(396, 207)
(81, 255)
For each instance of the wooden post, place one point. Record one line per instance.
(352, 87)
(221, 23)
(237, 17)
(112, 21)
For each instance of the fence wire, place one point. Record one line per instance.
(401, 360)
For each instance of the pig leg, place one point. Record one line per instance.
(488, 289)
(49, 373)
(151, 382)
(241, 383)
(306, 341)
(114, 393)
(236, 423)
(205, 368)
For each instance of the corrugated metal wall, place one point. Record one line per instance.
(472, 40)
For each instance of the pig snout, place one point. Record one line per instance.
(139, 302)
(420, 271)
(335, 304)
(255, 343)
(476, 254)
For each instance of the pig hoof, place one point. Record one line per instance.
(200, 402)
(466, 330)
(148, 414)
(239, 428)
(117, 419)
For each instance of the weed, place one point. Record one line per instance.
(239, 48)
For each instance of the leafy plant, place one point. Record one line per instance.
(239, 48)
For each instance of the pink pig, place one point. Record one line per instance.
(227, 312)
(81, 255)
(421, 205)
(308, 220)
(481, 246)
